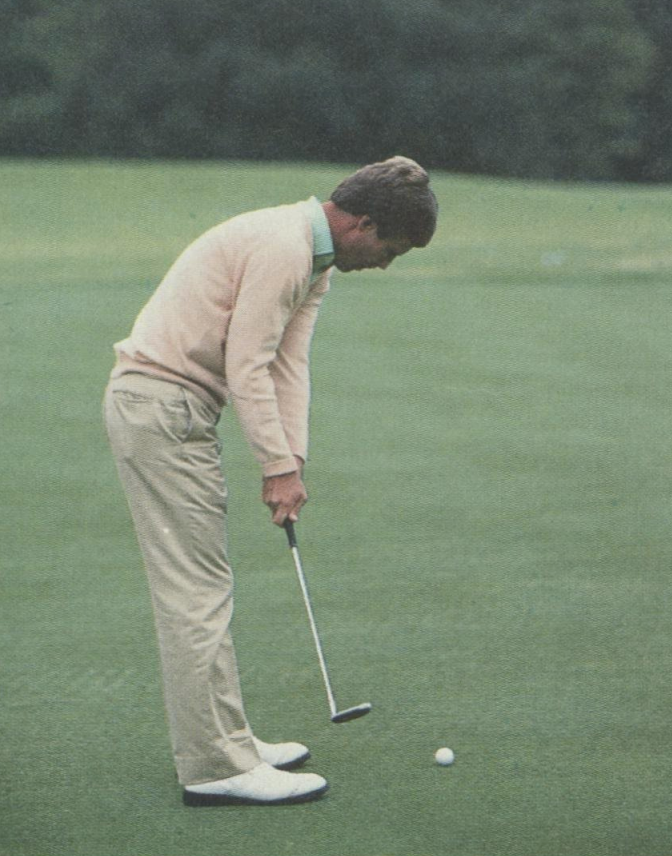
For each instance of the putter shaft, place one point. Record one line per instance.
(313, 627)
(350, 713)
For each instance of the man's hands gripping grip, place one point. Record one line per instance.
(285, 495)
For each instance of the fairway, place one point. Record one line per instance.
(487, 540)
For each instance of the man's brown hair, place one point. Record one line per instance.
(396, 195)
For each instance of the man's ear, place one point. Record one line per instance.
(366, 224)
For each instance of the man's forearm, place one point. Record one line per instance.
(291, 375)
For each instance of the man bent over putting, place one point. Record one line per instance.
(233, 320)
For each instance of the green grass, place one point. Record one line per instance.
(487, 542)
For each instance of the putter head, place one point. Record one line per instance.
(351, 713)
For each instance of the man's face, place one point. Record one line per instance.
(361, 248)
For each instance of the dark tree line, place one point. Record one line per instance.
(577, 89)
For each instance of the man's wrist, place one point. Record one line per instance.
(280, 468)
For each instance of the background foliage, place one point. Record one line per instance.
(580, 89)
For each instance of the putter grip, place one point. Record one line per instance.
(291, 534)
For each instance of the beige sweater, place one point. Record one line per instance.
(233, 318)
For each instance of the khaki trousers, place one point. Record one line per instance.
(167, 452)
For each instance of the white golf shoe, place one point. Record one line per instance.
(282, 756)
(263, 785)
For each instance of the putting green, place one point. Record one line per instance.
(487, 541)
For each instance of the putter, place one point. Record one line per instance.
(336, 715)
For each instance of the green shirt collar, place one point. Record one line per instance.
(323, 245)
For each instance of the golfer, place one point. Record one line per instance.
(232, 321)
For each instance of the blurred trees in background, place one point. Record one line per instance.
(653, 159)
(560, 89)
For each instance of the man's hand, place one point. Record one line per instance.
(285, 495)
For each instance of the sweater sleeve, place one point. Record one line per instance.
(270, 289)
(290, 371)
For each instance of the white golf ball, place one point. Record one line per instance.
(444, 757)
